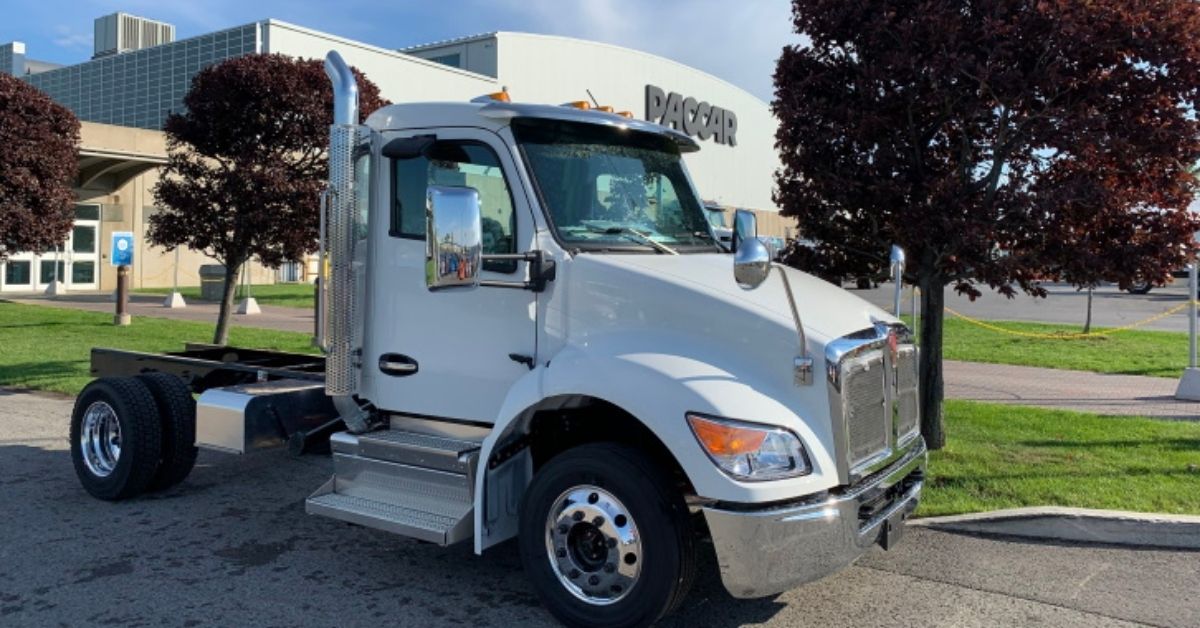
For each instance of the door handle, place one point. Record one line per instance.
(397, 365)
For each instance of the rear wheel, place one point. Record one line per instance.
(177, 417)
(605, 539)
(116, 440)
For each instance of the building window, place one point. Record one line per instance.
(47, 271)
(454, 60)
(16, 273)
(87, 212)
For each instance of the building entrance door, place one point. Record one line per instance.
(75, 263)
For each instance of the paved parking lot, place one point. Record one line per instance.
(1110, 307)
(233, 547)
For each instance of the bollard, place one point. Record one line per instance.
(1189, 385)
(122, 317)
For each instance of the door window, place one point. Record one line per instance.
(456, 163)
(83, 239)
(47, 271)
(83, 272)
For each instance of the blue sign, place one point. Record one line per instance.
(122, 248)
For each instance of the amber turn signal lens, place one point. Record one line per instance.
(720, 439)
(501, 96)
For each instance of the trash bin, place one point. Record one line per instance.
(212, 282)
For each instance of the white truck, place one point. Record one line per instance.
(529, 332)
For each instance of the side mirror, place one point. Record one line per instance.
(453, 238)
(751, 264)
(745, 227)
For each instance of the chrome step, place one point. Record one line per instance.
(412, 484)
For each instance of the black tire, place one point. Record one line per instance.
(862, 283)
(177, 417)
(661, 517)
(1142, 287)
(140, 437)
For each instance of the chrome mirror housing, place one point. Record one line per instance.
(453, 238)
(751, 264)
(745, 227)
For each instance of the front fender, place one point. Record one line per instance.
(657, 386)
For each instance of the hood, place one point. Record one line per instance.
(826, 311)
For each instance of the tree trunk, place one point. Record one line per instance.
(1087, 324)
(221, 336)
(933, 312)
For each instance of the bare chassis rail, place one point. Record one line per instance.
(210, 366)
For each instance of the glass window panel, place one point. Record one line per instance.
(47, 271)
(87, 212)
(16, 273)
(83, 272)
(83, 239)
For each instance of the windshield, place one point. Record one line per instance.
(607, 188)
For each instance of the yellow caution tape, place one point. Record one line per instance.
(1069, 336)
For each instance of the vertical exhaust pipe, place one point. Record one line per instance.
(897, 263)
(338, 315)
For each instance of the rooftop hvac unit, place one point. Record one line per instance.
(122, 32)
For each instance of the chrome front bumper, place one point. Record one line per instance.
(768, 551)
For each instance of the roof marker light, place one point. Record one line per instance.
(579, 104)
(625, 114)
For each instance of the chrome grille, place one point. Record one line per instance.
(907, 402)
(874, 394)
(866, 418)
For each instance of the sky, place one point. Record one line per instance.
(738, 41)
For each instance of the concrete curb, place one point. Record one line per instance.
(1078, 525)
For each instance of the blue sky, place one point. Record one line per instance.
(738, 41)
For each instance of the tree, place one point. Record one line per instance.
(246, 163)
(986, 138)
(38, 162)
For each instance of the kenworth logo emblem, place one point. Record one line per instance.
(696, 118)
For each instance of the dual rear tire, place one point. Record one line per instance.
(130, 435)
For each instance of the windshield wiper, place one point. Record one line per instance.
(639, 237)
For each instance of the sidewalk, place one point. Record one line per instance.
(1129, 395)
(272, 317)
(1097, 393)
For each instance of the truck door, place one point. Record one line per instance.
(447, 353)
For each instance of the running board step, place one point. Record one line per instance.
(407, 483)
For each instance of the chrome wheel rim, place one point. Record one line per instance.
(100, 439)
(593, 545)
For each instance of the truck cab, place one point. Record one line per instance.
(531, 332)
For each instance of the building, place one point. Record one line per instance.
(139, 75)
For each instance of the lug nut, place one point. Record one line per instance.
(574, 574)
(594, 580)
(577, 515)
(612, 543)
(560, 552)
(609, 568)
(598, 521)
(616, 588)
(562, 528)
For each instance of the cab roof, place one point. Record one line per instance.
(495, 114)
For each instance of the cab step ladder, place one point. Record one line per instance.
(408, 483)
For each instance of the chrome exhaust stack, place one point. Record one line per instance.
(338, 318)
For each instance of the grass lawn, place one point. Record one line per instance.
(299, 295)
(1155, 353)
(50, 348)
(1005, 457)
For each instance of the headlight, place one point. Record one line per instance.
(746, 451)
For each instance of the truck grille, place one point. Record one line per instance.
(866, 421)
(875, 394)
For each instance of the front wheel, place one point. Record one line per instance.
(605, 538)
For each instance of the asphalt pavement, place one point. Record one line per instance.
(1111, 307)
(232, 546)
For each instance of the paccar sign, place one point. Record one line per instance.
(694, 117)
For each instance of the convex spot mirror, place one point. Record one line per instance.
(453, 238)
(751, 258)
